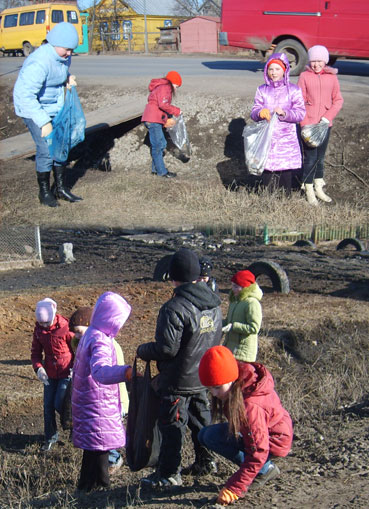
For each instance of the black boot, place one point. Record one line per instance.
(46, 197)
(60, 190)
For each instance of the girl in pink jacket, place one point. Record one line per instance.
(155, 116)
(323, 100)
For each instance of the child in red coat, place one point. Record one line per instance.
(52, 360)
(155, 116)
(258, 426)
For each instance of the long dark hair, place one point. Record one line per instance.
(233, 407)
(171, 86)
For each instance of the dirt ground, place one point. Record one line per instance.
(315, 339)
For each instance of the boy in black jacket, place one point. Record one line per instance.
(187, 326)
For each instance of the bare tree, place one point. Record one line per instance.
(198, 7)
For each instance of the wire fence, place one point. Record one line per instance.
(20, 247)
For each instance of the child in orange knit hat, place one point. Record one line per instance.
(258, 426)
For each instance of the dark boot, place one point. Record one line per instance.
(60, 190)
(46, 197)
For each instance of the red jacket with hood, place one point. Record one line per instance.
(269, 429)
(159, 102)
(55, 343)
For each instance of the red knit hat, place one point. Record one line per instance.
(278, 62)
(243, 278)
(174, 77)
(217, 367)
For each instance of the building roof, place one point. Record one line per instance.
(154, 7)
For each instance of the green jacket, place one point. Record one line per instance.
(245, 314)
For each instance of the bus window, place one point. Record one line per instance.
(72, 17)
(27, 18)
(40, 17)
(10, 20)
(57, 16)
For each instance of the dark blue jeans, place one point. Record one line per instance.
(54, 394)
(158, 145)
(217, 439)
(313, 167)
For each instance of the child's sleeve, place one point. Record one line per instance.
(337, 101)
(36, 352)
(296, 111)
(258, 105)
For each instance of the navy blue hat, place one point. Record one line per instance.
(184, 266)
(64, 35)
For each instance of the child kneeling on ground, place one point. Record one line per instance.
(258, 426)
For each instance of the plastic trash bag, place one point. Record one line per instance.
(257, 138)
(68, 127)
(143, 435)
(178, 135)
(314, 134)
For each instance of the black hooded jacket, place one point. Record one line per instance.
(187, 325)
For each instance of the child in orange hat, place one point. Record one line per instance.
(258, 426)
(244, 316)
(158, 113)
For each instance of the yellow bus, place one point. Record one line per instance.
(22, 29)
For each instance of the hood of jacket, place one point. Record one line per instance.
(286, 76)
(257, 380)
(253, 290)
(157, 82)
(326, 70)
(110, 313)
(199, 294)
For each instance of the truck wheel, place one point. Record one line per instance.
(161, 271)
(275, 273)
(356, 243)
(296, 54)
(27, 48)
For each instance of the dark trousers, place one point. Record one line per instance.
(54, 395)
(273, 180)
(175, 414)
(94, 470)
(313, 166)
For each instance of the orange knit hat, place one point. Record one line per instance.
(217, 367)
(278, 62)
(174, 77)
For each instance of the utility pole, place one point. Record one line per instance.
(145, 19)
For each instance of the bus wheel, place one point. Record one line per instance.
(27, 49)
(296, 54)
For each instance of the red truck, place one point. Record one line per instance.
(293, 26)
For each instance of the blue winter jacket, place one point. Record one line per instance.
(39, 90)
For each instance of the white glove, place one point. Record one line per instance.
(227, 328)
(42, 376)
(46, 129)
(324, 120)
(71, 81)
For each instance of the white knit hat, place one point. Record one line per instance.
(45, 310)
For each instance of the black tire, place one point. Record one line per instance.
(305, 243)
(162, 268)
(275, 273)
(356, 243)
(296, 54)
(332, 60)
(27, 48)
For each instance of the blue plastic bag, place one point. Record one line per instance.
(68, 127)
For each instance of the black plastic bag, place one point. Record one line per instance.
(143, 435)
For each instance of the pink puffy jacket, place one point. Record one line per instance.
(321, 94)
(159, 102)
(96, 408)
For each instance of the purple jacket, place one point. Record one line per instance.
(96, 409)
(285, 153)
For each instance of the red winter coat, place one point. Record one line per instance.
(55, 344)
(269, 429)
(159, 102)
(321, 94)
